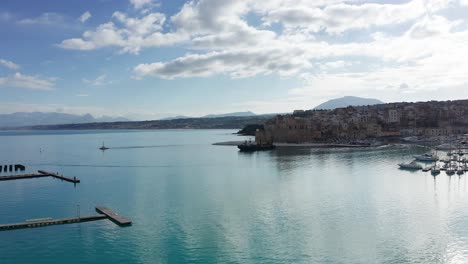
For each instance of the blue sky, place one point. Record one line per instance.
(146, 59)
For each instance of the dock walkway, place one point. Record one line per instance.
(119, 220)
(104, 213)
(40, 174)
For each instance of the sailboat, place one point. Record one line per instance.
(103, 147)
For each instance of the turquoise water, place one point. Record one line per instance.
(192, 202)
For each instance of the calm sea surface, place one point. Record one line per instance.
(192, 202)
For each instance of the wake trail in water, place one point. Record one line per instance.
(102, 166)
(148, 146)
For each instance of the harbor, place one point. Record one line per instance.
(104, 213)
(454, 162)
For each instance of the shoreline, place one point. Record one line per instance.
(312, 145)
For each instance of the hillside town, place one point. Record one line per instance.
(363, 124)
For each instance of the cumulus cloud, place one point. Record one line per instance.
(128, 33)
(9, 64)
(334, 46)
(27, 82)
(341, 17)
(238, 64)
(85, 16)
(138, 4)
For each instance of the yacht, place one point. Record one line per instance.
(426, 157)
(410, 166)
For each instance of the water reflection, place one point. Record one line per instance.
(199, 203)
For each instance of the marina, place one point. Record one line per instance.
(104, 213)
(453, 163)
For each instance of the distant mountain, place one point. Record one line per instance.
(235, 114)
(51, 118)
(175, 117)
(347, 101)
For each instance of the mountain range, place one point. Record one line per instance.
(235, 114)
(228, 120)
(51, 118)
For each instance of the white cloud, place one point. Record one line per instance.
(338, 46)
(138, 4)
(27, 82)
(9, 64)
(238, 64)
(85, 16)
(130, 34)
(44, 19)
(341, 17)
(101, 80)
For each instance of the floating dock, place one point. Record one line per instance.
(40, 174)
(119, 220)
(106, 214)
(60, 177)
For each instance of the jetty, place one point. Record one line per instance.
(119, 220)
(40, 174)
(104, 213)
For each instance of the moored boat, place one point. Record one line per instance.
(450, 170)
(435, 170)
(426, 157)
(410, 166)
(249, 146)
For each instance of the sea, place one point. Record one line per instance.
(194, 202)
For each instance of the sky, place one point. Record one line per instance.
(150, 59)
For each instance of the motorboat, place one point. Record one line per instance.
(460, 170)
(250, 146)
(103, 147)
(410, 166)
(426, 157)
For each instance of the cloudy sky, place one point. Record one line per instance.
(147, 59)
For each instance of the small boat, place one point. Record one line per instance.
(249, 146)
(410, 166)
(435, 170)
(460, 170)
(426, 157)
(103, 147)
(450, 170)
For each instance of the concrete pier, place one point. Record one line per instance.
(40, 174)
(119, 220)
(104, 213)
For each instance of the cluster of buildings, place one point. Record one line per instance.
(361, 123)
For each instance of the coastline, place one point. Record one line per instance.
(311, 145)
